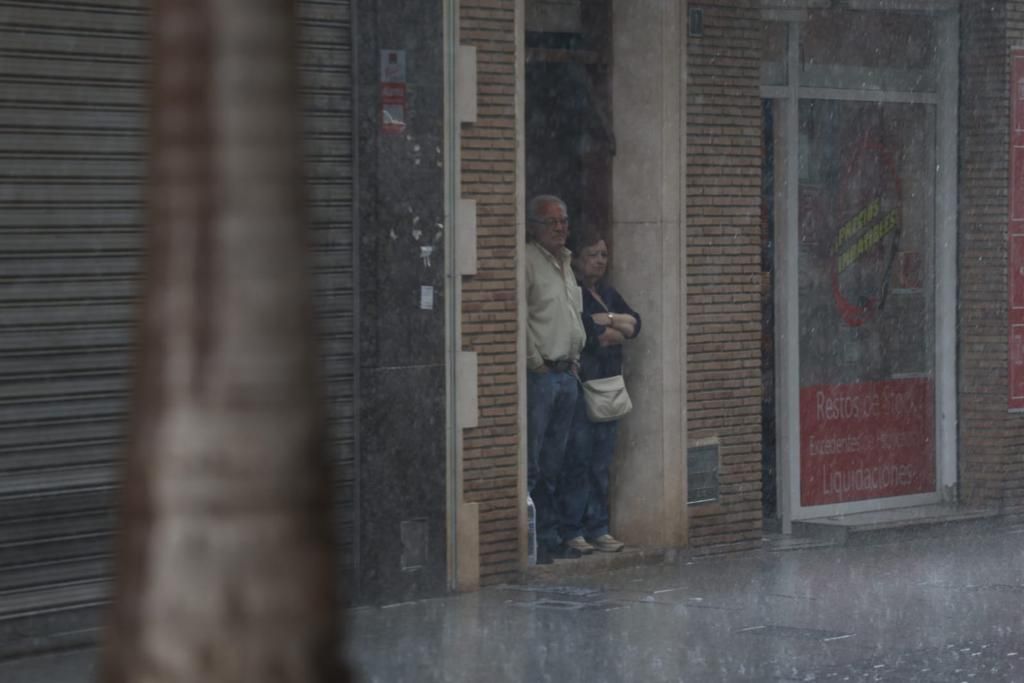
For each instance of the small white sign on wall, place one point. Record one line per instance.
(427, 298)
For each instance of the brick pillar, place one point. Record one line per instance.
(489, 309)
(724, 263)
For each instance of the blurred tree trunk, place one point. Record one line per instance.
(224, 567)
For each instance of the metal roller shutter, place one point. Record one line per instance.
(72, 162)
(325, 59)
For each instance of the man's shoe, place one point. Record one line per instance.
(607, 543)
(580, 545)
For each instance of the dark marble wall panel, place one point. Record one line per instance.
(400, 187)
(403, 482)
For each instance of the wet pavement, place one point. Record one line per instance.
(937, 608)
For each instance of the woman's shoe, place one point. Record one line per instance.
(607, 543)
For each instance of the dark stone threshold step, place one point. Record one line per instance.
(865, 527)
(635, 556)
(884, 525)
(599, 563)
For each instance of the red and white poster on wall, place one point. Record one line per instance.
(393, 113)
(866, 304)
(866, 440)
(1016, 233)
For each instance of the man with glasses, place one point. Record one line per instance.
(554, 338)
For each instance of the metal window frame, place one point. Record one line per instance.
(945, 101)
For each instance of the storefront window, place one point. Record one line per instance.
(773, 53)
(866, 308)
(868, 50)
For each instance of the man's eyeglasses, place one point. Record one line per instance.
(551, 222)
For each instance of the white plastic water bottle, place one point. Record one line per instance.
(531, 531)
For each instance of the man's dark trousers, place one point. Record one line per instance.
(551, 401)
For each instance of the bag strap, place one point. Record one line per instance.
(598, 299)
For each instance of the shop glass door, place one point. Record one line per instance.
(863, 142)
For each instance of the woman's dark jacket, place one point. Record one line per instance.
(598, 361)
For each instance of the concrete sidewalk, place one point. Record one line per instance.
(941, 607)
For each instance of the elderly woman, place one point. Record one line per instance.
(609, 323)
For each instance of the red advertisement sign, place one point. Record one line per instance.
(1015, 263)
(865, 243)
(866, 440)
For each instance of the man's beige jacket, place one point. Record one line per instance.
(555, 308)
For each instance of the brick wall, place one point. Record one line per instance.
(1013, 472)
(987, 431)
(723, 265)
(991, 438)
(491, 451)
